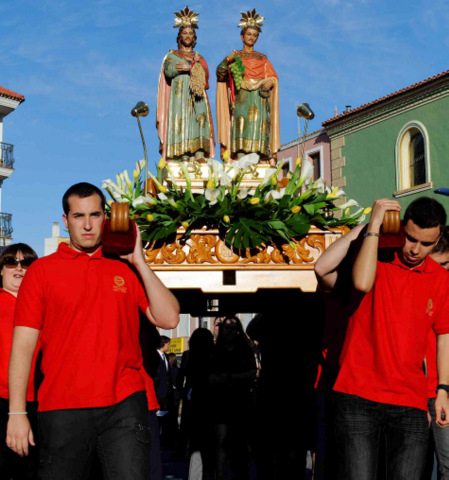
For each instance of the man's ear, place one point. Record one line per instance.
(64, 218)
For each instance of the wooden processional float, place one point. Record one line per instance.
(203, 261)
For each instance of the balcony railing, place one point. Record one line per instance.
(5, 225)
(6, 155)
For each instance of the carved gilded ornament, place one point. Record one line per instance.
(209, 249)
(201, 249)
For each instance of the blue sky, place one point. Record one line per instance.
(83, 65)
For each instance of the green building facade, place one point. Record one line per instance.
(395, 147)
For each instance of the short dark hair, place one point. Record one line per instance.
(244, 29)
(164, 341)
(11, 251)
(443, 243)
(426, 213)
(178, 38)
(82, 190)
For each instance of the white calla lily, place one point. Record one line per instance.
(144, 200)
(140, 165)
(319, 185)
(242, 164)
(243, 193)
(269, 172)
(211, 195)
(110, 185)
(169, 200)
(216, 166)
(350, 203)
(274, 195)
(225, 180)
(306, 172)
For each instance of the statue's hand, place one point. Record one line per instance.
(267, 84)
(230, 57)
(197, 57)
(182, 67)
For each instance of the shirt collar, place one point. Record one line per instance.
(428, 266)
(66, 251)
(2, 290)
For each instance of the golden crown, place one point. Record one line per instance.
(186, 18)
(251, 19)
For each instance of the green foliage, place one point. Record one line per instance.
(245, 221)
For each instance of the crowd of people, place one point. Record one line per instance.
(88, 389)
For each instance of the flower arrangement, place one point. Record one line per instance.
(245, 217)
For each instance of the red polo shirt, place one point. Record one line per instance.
(87, 308)
(432, 374)
(431, 356)
(386, 340)
(7, 307)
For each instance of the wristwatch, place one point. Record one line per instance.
(441, 386)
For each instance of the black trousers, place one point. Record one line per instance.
(119, 434)
(12, 466)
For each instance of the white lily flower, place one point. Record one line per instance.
(225, 180)
(215, 165)
(144, 200)
(212, 194)
(319, 185)
(119, 181)
(123, 185)
(128, 181)
(110, 185)
(334, 193)
(274, 195)
(269, 172)
(242, 164)
(306, 172)
(243, 193)
(350, 203)
(169, 200)
(140, 165)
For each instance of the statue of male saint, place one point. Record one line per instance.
(248, 118)
(183, 118)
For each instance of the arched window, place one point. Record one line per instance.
(412, 159)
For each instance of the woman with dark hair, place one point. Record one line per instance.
(14, 262)
(232, 383)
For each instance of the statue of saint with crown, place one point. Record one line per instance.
(248, 97)
(183, 119)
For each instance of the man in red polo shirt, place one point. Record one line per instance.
(381, 388)
(86, 309)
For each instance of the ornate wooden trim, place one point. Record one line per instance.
(205, 250)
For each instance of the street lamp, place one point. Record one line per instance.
(141, 110)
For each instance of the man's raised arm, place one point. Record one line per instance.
(326, 266)
(364, 271)
(19, 434)
(163, 310)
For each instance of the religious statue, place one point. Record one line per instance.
(248, 97)
(183, 119)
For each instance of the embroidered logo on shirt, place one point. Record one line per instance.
(119, 285)
(429, 309)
